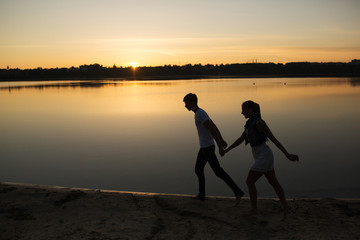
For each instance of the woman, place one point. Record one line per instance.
(257, 133)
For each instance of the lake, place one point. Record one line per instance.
(138, 136)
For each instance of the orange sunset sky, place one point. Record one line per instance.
(52, 33)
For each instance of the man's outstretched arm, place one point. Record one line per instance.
(209, 124)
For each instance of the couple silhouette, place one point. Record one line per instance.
(256, 133)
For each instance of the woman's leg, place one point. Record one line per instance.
(271, 177)
(252, 177)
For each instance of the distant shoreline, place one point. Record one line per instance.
(179, 77)
(189, 71)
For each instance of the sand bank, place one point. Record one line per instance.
(42, 212)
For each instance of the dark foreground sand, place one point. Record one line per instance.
(40, 212)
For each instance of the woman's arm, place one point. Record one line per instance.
(236, 143)
(262, 127)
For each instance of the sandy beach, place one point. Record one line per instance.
(43, 212)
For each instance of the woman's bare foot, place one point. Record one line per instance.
(286, 211)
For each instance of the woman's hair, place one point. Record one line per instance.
(254, 106)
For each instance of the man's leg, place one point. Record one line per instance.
(215, 165)
(199, 170)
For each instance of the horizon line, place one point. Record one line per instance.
(164, 65)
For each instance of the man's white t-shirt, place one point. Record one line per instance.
(205, 137)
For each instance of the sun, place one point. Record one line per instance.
(133, 64)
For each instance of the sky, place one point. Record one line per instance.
(53, 33)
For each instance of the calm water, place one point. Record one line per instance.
(138, 136)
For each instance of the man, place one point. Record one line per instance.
(207, 132)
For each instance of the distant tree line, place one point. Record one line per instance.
(97, 71)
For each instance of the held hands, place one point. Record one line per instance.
(221, 152)
(222, 149)
(293, 157)
(224, 144)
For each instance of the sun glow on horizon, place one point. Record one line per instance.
(133, 64)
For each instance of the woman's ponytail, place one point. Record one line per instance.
(253, 106)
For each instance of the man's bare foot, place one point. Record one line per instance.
(238, 199)
(199, 197)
